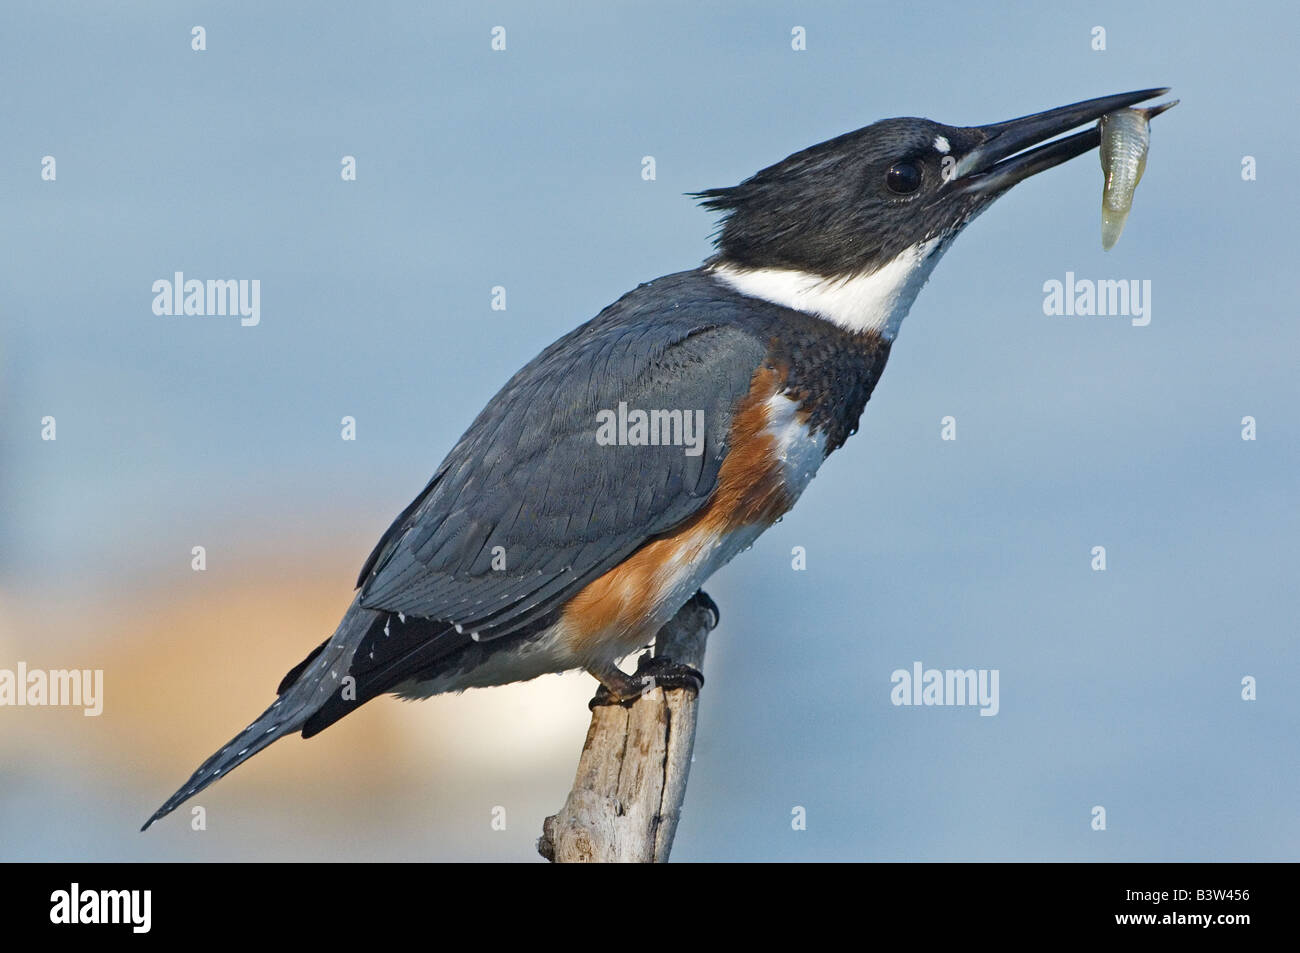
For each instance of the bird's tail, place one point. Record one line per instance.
(318, 678)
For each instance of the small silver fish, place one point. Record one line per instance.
(1125, 138)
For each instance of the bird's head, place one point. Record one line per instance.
(884, 201)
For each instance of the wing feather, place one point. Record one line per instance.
(528, 480)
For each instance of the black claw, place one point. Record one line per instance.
(651, 672)
(705, 601)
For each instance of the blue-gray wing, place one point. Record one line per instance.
(529, 506)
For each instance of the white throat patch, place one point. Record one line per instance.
(872, 302)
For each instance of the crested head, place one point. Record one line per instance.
(849, 229)
(849, 205)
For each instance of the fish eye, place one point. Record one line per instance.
(903, 177)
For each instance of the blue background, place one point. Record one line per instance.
(523, 169)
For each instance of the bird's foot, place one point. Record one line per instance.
(619, 688)
(616, 687)
(659, 672)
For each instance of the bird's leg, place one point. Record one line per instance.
(661, 670)
(616, 686)
(652, 671)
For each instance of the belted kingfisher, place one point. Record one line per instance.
(537, 547)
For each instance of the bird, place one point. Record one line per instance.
(613, 474)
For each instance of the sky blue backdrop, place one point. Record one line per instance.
(523, 169)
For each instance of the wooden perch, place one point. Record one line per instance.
(631, 780)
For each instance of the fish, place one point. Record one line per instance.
(1125, 139)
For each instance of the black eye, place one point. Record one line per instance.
(903, 177)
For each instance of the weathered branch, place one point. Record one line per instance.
(631, 781)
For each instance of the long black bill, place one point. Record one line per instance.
(1006, 158)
